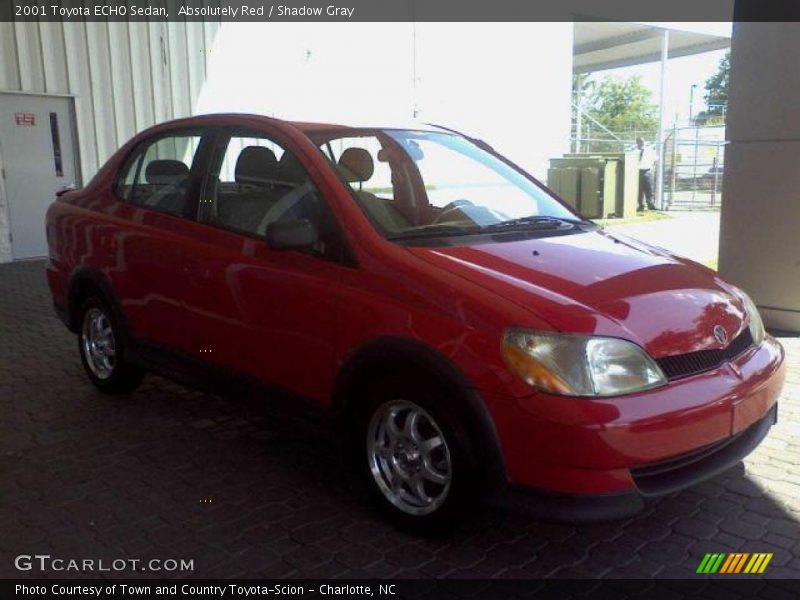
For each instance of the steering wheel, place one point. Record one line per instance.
(450, 207)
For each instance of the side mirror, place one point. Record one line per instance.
(297, 234)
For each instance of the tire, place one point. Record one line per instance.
(420, 472)
(103, 353)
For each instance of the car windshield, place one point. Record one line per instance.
(420, 184)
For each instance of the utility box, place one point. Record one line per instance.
(597, 185)
(592, 184)
(607, 183)
(565, 182)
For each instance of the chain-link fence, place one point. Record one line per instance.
(694, 162)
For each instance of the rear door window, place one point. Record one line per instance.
(255, 181)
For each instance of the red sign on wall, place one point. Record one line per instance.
(25, 119)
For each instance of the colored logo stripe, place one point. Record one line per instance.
(734, 563)
(711, 563)
(721, 562)
(758, 563)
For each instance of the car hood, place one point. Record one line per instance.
(597, 283)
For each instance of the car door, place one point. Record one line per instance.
(157, 186)
(266, 313)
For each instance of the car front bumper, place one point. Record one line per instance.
(645, 444)
(651, 481)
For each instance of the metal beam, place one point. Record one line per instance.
(719, 44)
(620, 40)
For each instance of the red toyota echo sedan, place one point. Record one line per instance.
(475, 336)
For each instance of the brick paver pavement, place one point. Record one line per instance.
(174, 473)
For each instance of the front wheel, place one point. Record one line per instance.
(418, 460)
(103, 351)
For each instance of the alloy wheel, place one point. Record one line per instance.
(409, 457)
(99, 346)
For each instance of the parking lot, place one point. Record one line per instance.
(172, 473)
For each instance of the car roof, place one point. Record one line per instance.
(307, 127)
(317, 127)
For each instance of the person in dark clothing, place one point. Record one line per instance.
(645, 165)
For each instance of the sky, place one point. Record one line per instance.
(681, 73)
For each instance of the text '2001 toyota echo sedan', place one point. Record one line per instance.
(471, 332)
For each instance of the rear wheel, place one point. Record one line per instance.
(418, 459)
(103, 351)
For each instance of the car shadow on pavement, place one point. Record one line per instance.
(173, 472)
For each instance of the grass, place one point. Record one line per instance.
(645, 217)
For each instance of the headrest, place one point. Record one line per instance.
(290, 169)
(256, 164)
(356, 164)
(166, 172)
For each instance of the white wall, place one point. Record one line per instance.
(760, 223)
(125, 77)
(324, 72)
(506, 82)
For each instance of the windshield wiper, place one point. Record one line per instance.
(537, 223)
(434, 231)
(534, 223)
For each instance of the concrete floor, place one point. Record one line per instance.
(170, 472)
(693, 234)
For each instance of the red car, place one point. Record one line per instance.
(475, 336)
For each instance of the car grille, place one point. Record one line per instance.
(684, 365)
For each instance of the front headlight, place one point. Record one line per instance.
(756, 324)
(577, 365)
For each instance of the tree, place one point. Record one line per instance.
(616, 109)
(716, 95)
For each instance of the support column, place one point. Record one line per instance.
(659, 199)
(760, 223)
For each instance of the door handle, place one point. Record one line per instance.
(197, 274)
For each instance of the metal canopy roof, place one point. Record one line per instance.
(607, 45)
